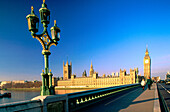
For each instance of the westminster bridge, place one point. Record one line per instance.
(125, 98)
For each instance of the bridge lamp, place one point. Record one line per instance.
(33, 21)
(55, 32)
(44, 14)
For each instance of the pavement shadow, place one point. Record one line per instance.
(144, 100)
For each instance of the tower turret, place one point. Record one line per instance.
(67, 62)
(147, 64)
(67, 70)
(91, 70)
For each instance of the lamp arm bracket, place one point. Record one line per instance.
(48, 36)
(40, 40)
(45, 30)
(50, 44)
(45, 39)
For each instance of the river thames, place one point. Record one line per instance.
(28, 95)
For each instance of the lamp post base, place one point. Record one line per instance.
(47, 91)
(52, 90)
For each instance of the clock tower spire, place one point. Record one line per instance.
(147, 64)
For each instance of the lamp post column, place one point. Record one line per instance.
(45, 89)
(43, 83)
(52, 89)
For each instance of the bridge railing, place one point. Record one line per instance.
(162, 101)
(66, 102)
(82, 99)
(29, 106)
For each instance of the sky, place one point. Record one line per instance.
(113, 34)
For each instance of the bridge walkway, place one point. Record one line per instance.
(136, 100)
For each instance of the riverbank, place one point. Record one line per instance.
(24, 89)
(38, 89)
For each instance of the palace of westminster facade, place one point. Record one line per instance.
(94, 81)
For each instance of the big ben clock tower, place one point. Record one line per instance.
(147, 65)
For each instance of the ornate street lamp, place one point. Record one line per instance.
(33, 21)
(55, 32)
(46, 42)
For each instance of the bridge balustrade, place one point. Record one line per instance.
(65, 103)
(82, 99)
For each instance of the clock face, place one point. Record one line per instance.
(146, 61)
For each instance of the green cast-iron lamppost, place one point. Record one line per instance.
(46, 42)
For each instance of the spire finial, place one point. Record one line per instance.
(67, 61)
(91, 65)
(50, 70)
(146, 47)
(146, 53)
(43, 1)
(42, 70)
(32, 8)
(54, 22)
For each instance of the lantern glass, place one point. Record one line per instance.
(37, 25)
(58, 35)
(29, 25)
(53, 34)
(33, 23)
(45, 16)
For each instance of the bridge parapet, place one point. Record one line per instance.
(67, 102)
(82, 99)
(29, 106)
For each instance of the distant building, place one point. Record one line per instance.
(117, 73)
(84, 74)
(93, 80)
(109, 75)
(54, 81)
(156, 79)
(33, 81)
(18, 81)
(167, 76)
(61, 78)
(147, 65)
(67, 70)
(113, 74)
(91, 70)
(5, 82)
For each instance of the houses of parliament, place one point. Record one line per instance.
(95, 81)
